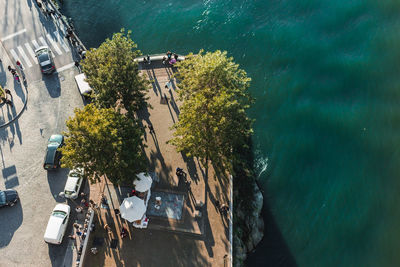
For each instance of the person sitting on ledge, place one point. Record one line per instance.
(145, 60)
(169, 55)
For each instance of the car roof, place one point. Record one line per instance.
(71, 183)
(53, 227)
(50, 154)
(83, 85)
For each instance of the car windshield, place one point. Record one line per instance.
(2, 198)
(59, 214)
(67, 192)
(43, 56)
(48, 66)
(74, 174)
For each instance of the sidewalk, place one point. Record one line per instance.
(190, 240)
(19, 92)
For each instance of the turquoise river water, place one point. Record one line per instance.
(326, 78)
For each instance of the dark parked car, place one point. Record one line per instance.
(8, 197)
(45, 59)
(53, 156)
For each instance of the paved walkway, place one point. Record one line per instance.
(189, 241)
(19, 92)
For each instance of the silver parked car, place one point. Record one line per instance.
(45, 59)
(73, 185)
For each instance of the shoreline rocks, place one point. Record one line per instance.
(250, 228)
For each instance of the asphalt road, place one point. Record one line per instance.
(51, 100)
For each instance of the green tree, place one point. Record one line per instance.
(113, 74)
(103, 142)
(213, 121)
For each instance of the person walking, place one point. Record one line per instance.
(8, 92)
(78, 65)
(16, 77)
(224, 209)
(19, 65)
(148, 60)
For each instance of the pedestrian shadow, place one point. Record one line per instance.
(14, 126)
(169, 108)
(173, 104)
(29, 4)
(3, 75)
(154, 81)
(19, 90)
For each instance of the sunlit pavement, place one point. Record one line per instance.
(50, 101)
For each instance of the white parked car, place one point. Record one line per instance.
(83, 86)
(57, 224)
(74, 183)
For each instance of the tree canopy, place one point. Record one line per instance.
(212, 121)
(103, 142)
(113, 74)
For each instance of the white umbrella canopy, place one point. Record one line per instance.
(132, 209)
(143, 183)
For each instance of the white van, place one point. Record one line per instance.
(73, 184)
(83, 86)
(57, 224)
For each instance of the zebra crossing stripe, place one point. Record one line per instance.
(35, 44)
(31, 53)
(14, 54)
(26, 59)
(41, 39)
(54, 44)
(61, 40)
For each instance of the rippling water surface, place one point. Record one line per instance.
(326, 78)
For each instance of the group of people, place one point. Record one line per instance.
(7, 92)
(170, 58)
(147, 60)
(14, 72)
(46, 11)
(4, 98)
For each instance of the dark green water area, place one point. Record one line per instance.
(326, 79)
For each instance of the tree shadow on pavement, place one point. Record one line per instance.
(164, 172)
(10, 220)
(191, 167)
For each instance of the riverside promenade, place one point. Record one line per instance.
(192, 240)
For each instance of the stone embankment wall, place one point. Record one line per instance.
(249, 229)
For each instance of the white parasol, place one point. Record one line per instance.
(132, 209)
(143, 183)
